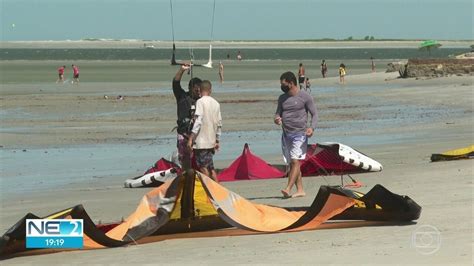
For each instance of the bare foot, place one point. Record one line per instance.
(298, 195)
(285, 193)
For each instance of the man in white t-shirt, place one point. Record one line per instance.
(206, 130)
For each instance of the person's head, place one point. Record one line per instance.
(301, 64)
(64, 66)
(324, 61)
(206, 88)
(194, 87)
(72, 65)
(342, 65)
(287, 81)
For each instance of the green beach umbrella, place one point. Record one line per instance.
(428, 45)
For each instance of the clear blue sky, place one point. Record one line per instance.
(236, 19)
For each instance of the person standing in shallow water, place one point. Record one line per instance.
(292, 114)
(324, 68)
(75, 74)
(61, 74)
(342, 73)
(301, 76)
(221, 72)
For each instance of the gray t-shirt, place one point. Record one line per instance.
(293, 111)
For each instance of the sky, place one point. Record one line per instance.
(31, 20)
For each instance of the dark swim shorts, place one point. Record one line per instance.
(204, 158)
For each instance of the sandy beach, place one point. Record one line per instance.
(63, 145)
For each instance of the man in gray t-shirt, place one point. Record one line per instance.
(292, 114)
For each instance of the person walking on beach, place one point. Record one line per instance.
(221, 72)
(75, 74)
(206, 131)
(301, 76)
(292, 114)
(186, 105)
(342, 73)
(61, 74)
(239, 56)
(372, 64)
(324, 68)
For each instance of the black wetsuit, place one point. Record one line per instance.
(185, 108)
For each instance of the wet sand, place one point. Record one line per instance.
(70, 143)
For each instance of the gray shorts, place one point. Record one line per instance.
(294, 146)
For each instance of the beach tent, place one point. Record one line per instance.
(248, 167)
(164, 210)
(331, 158)
(457, 154)
(428, 45)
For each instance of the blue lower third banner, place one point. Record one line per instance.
(54, 242)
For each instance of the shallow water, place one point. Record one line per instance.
(31, 170)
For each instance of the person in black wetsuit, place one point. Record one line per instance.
(186, 105)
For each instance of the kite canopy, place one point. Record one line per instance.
(248, 167)
(214, 206)
(457, 154)
(155, 176)
(330, 158)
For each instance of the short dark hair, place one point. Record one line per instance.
(288, 76)
(194, 81)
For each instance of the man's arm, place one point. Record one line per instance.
(311, 107)
(197, 124)
(279, 110)
(177, 89)
(219, 129)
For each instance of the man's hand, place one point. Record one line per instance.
(277, 120)
(309, 132)
(185, 66)
(217, 146)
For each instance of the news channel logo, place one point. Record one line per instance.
(54, 233)
(426, 239)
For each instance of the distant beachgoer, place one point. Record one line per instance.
(206, 131)
(61, 74)
(75, 74)
(372, 64)
(342, 73)
(239, 56)
(307, 85)
(228, 56)
(292, 114)
(301, 76)
(324, 68)
(221, 72)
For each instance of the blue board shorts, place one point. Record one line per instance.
(294, 146)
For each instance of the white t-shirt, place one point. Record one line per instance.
(208, 122)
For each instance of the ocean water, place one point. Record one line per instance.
(222, 54)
